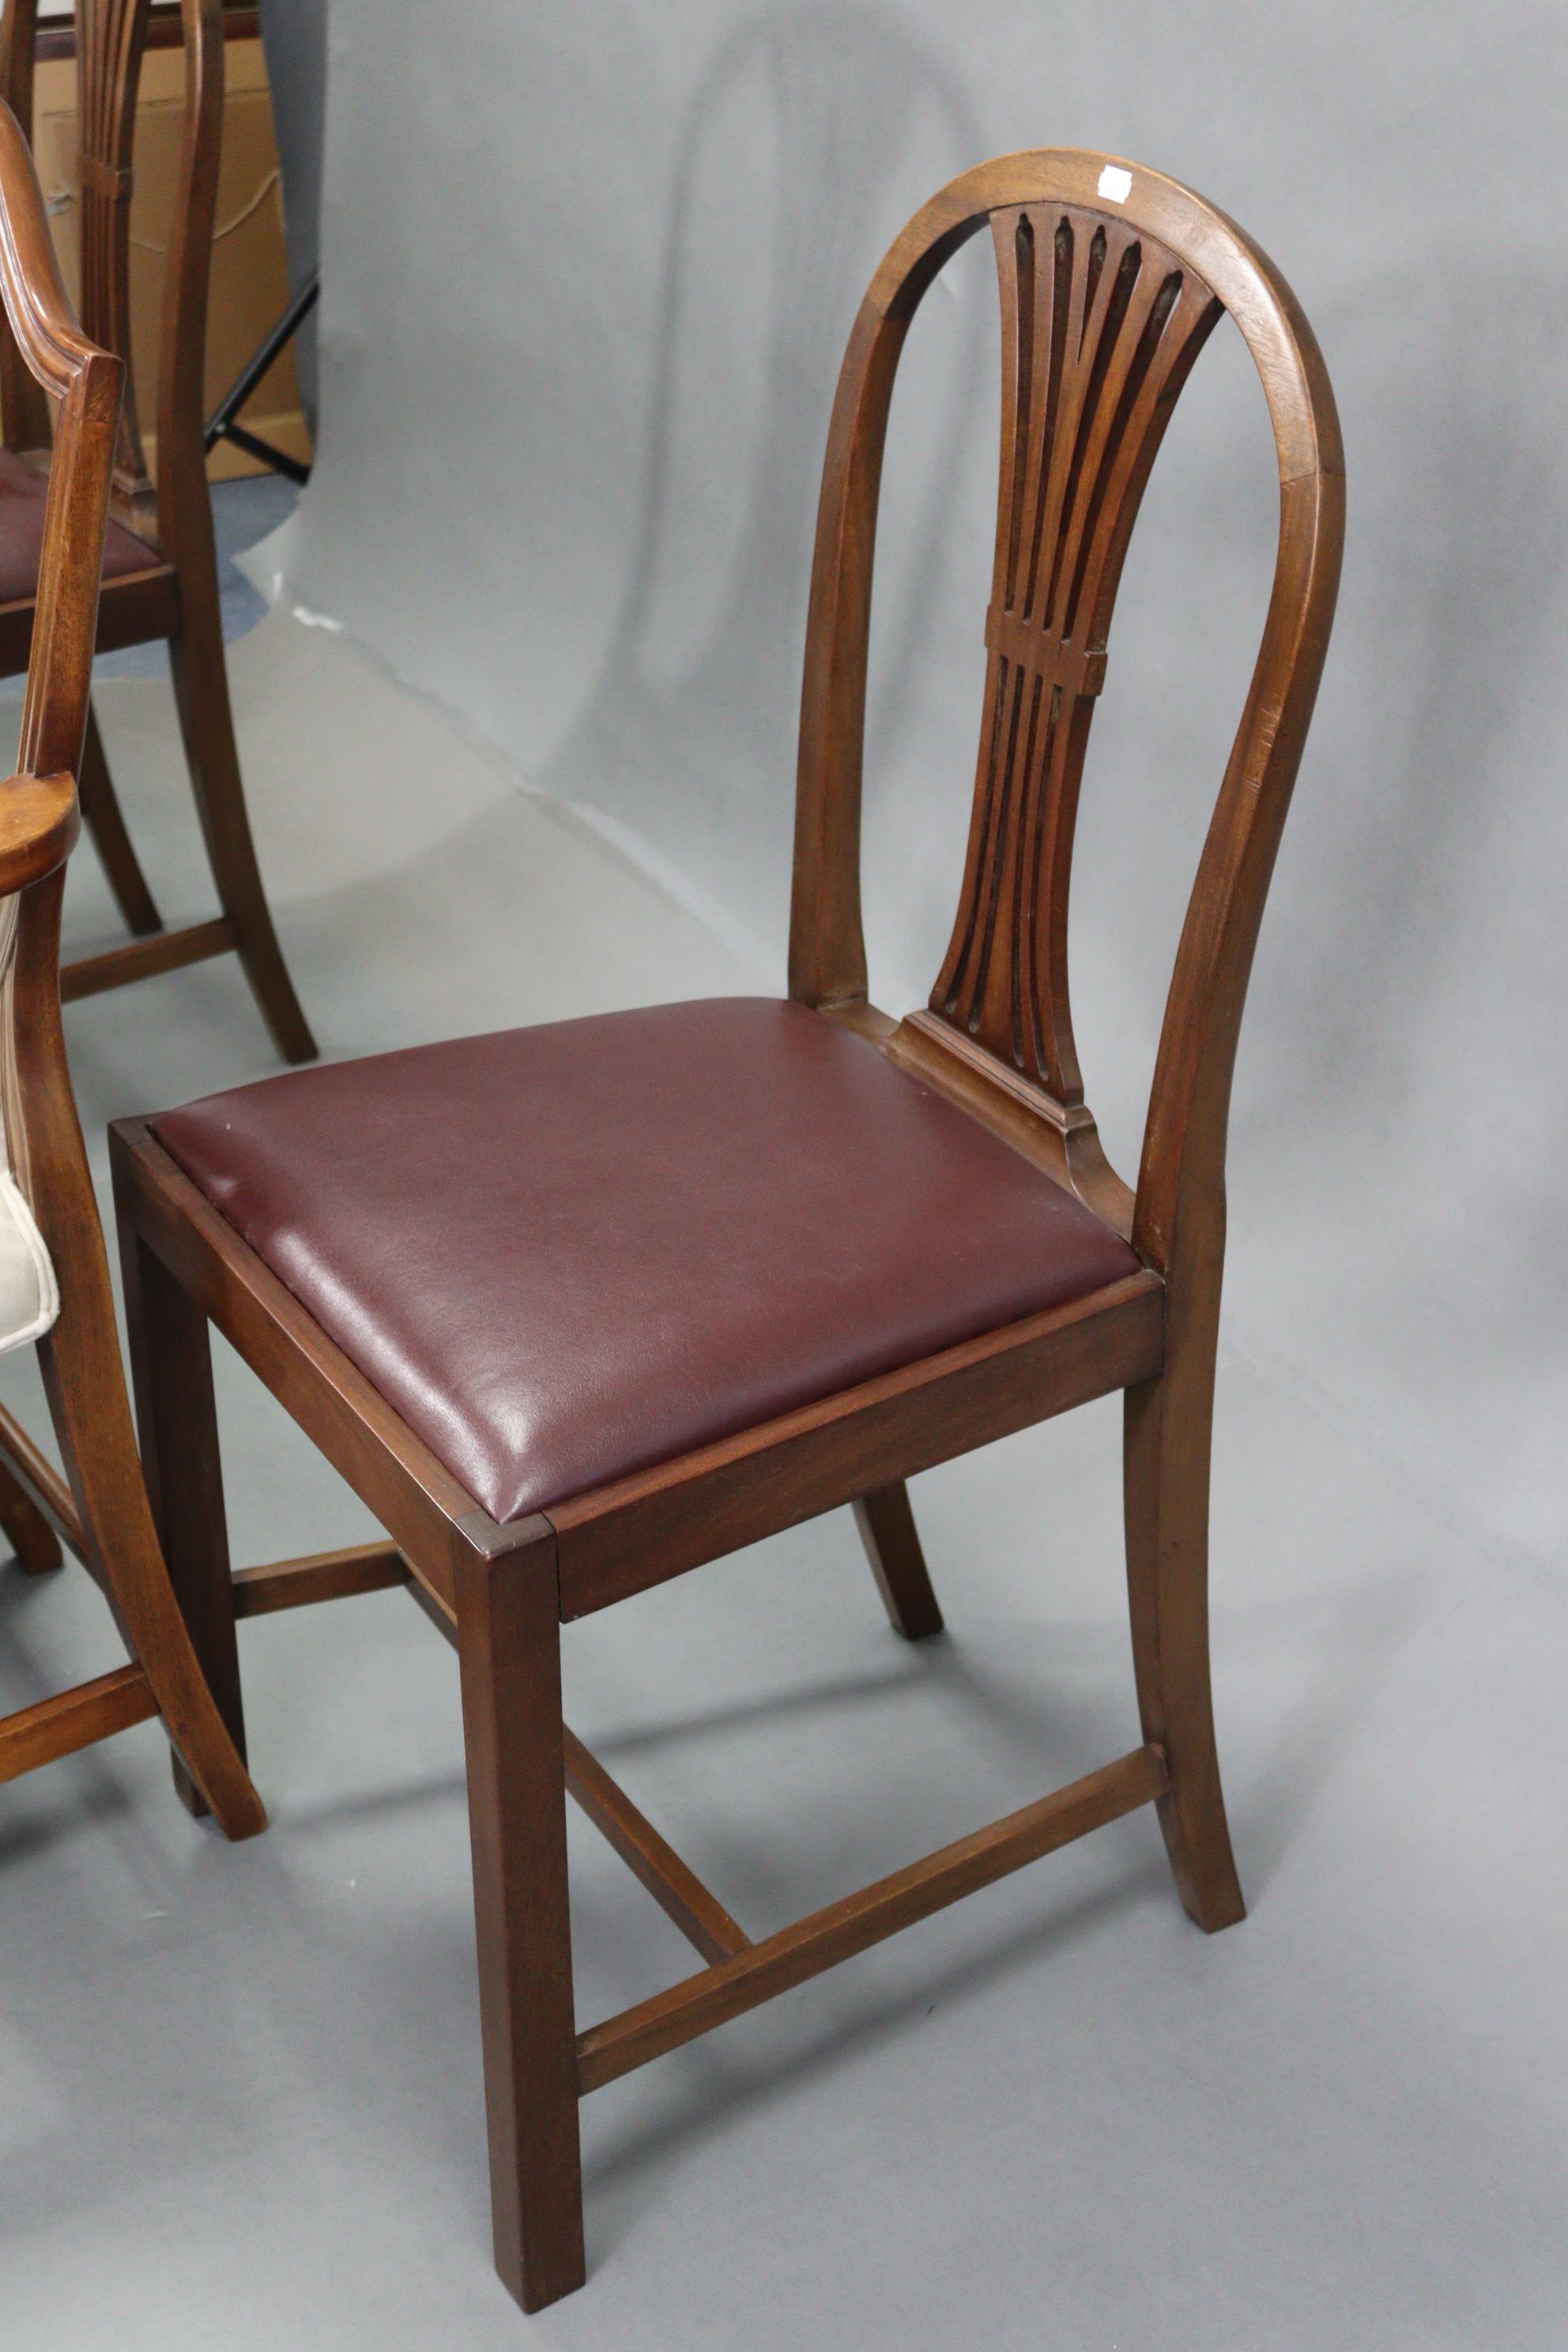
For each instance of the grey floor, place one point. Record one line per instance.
(239, 2089)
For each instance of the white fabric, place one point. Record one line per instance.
(29, 1295)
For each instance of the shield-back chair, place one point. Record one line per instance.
(160, 559)
(54, 1271)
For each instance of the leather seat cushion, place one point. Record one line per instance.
(22, 496)
(571, 1251)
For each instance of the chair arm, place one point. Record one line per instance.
(41, 319)
(39, 822)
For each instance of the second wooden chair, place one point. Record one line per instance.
(54, 1271)
(160, 559)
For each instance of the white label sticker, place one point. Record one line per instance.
(1116, 183)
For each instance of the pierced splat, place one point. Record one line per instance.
(110, 37)
(1099, 327)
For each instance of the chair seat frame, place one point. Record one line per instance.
(502, 1592)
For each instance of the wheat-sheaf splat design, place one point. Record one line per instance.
(1099, 327)
(110, 37)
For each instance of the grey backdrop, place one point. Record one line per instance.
(294, 34)
(588, 276)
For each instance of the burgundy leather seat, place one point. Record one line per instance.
(571, 1251)
(22, 494)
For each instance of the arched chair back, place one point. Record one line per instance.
(1112, 278)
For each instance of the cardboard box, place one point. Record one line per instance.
(250, 271)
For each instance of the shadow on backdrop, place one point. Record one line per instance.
(1420, 1127)
(698, 690)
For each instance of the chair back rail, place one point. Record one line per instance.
(1107, 300)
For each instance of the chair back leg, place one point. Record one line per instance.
(119, 1530)
(1166, 1433)
(32, 1539)
(888, 1530)
(206, 727)
(105, 820)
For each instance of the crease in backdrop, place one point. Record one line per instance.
(587, 279)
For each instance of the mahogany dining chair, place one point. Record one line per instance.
(53, 1270)
(160, 559)
(575, 1309)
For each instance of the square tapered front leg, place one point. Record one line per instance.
(509, 1641)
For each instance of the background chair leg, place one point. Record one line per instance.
(888, 1530)
(105, 820)
(206, 725)
(1166, 1433)
(27, 1530)
(509, 1641)
(176, 1416)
